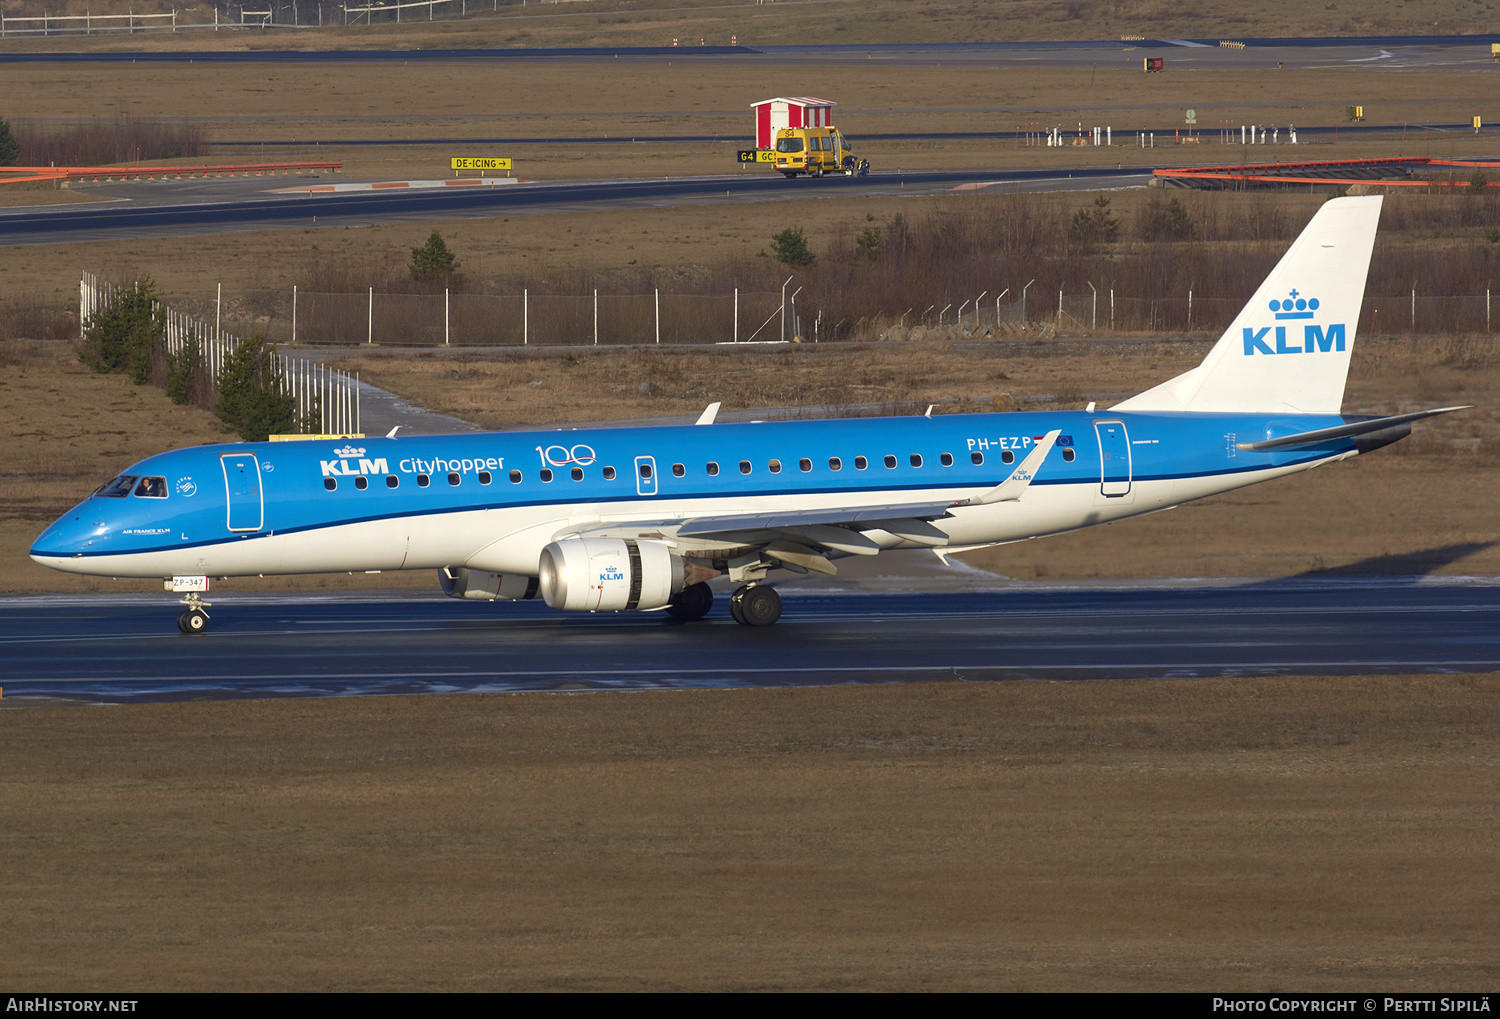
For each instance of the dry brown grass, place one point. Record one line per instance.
(1228, 835)
(309, 111)
(657, 22)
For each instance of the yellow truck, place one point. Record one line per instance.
(813, 151)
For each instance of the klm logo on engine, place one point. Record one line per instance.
(1315, 338)
(332, 468)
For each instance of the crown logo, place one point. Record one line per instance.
(1295, 306)
(349, 451)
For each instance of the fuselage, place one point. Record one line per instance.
(493, 501)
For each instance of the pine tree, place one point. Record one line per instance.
(432, 262)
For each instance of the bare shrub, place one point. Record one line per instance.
(101, 142)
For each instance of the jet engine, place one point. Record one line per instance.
(608, 574)
(460, 582)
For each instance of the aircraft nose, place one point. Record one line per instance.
(69, 537)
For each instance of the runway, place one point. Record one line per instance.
(978, 628)
(167, 209)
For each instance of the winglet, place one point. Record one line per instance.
(709, 413)
(392, 433)
(1014, 486)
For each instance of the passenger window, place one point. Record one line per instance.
(804, 465)
(712, 468)
(1007, 457)
(835, 464)
(916, 459)
(890, 461)
(453, 479)
(391, 481)
(775, 466)
(678, 470)
(361, 483)
(330, 483)
(515, 477)
(744, 466)
(423, 481)
(546, 474)
(976, 458)
(645, 470)
(484, 477)
(860, 463)
(609, 474)
(577, 473)
(152, 488)
(1068, 455)
(946, 459)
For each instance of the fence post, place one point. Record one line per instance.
(370, 319)
(525, 317)
(294, 313)
(658, 314)
(596, 316)
(446, 337)
(1190, 310)
(1414, 306)
(737, 312)
(218, 303)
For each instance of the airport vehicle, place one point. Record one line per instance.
(642, 518)
(813, 151)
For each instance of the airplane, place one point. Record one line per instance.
(637, 518)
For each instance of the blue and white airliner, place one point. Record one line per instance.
(641, 518)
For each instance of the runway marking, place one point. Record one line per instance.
(666, 674)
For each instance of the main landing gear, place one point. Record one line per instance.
(751, 605)
(754, 605)
(692, 602)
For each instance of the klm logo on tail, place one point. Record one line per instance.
(1314, 339)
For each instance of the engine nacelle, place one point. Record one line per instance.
(608, 574)
(482, 585)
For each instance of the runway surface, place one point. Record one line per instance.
(167, 209)
(975, 628)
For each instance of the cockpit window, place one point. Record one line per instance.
(152, 488)
(118, 488)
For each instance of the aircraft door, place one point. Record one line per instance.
(247, 503)
(645, 475)
(1114, 458)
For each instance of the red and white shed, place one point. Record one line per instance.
(771, 115)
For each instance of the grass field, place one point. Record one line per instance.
(1289, 834)
(507, 23)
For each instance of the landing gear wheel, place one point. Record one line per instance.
(692, 602)
(755, 606)
(192, 621)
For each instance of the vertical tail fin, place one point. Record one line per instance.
(1288, 349)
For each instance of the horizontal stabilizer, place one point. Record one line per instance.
(1347, 431)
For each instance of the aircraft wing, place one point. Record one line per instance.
(806, 537)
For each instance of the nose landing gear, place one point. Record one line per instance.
(193, 619)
